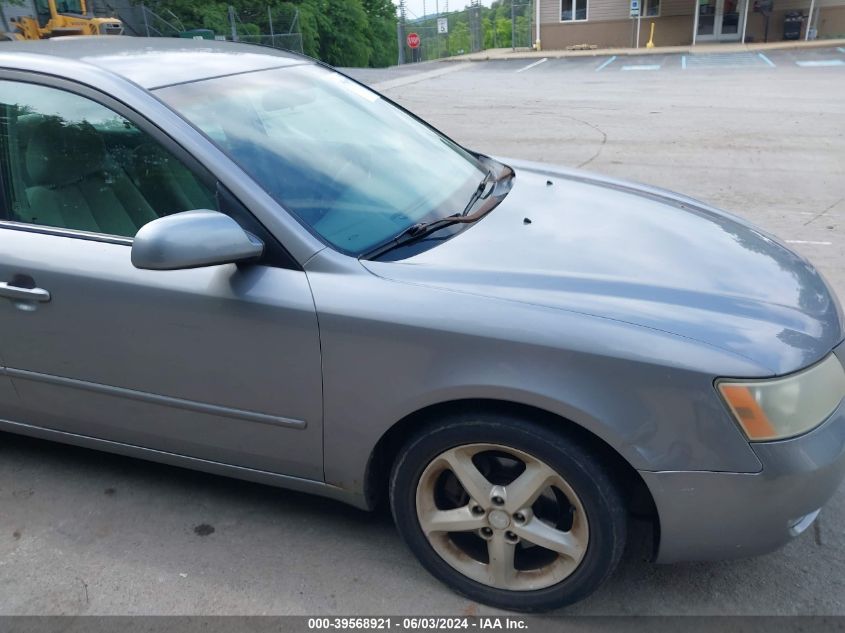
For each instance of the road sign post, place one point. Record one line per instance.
(637, 13)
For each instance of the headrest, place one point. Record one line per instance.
(59, 153)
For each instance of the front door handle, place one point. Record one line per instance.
(23, 294)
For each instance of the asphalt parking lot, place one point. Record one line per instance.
(89, 533)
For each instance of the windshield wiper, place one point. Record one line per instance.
(422, 229)
(479, 191)
(418, 231)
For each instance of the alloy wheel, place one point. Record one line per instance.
(501, 517)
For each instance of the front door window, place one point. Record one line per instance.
(70, 163)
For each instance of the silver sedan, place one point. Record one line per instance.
(237, 260)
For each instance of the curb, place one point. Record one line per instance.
(704, 49)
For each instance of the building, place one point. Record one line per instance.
(609, 23)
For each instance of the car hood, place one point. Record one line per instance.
(600, 247)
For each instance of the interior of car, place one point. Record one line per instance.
(109, 178)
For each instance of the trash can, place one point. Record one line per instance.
(792, 25)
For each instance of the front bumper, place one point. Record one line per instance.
(717, 515)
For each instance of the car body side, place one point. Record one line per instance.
(393, 351)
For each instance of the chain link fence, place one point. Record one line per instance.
(523, 24)
(139, 19)
(504, 25)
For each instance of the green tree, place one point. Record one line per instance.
(343, 29)
(381, 15)
(459, 39)
(503, 32)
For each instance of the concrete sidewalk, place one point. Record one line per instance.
(508, 53)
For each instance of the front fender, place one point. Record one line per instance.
(391, 348)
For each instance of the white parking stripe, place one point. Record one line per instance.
(767, 60)
(415, 77)
(642, 67)
(607, 62)
(684, 62)
(841, 49)
(545, 59)
(822, 62)
(809, 242)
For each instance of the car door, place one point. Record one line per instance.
(220, 363)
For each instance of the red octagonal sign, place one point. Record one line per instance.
(413, 40)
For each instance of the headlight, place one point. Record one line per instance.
(783, 407)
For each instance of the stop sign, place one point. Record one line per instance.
(413, 40)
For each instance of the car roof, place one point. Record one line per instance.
(153, 62)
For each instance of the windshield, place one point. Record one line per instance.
(350, 165)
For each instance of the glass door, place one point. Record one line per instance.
(707, 19)
(730, 20)
(719, 20)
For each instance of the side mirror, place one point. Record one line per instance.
(193, 239)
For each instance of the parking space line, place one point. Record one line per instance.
(821, 62)
(642, 67)
(841, 49)
(607, 62)
(529, 66)
(767, 60)
(424, 76)
(809, 242)
(684, 62)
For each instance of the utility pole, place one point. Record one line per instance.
(232, 22)
(400, 32)
(446, 11)
(513, 25)
(475, 26)
(423, 43)
(436, 34)
(146, 19)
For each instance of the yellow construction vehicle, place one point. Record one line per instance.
(65, 17)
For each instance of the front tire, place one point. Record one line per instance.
(507, 512)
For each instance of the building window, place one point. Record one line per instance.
(572, 10)
(650, 8)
